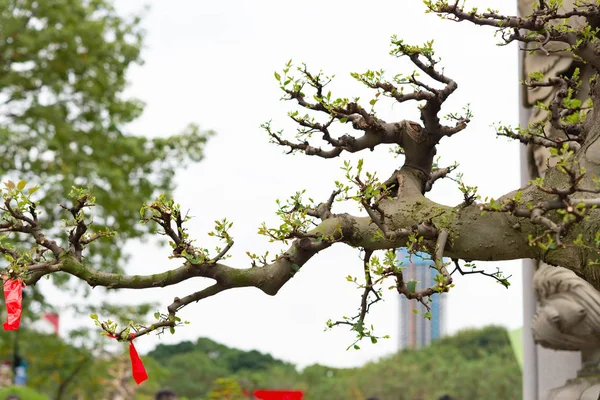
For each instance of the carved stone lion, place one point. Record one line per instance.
(568, 313)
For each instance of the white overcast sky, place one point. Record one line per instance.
(212, 63)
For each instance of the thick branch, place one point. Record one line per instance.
(437, 174)
(377, 133)
(492, 236)
(474, 239)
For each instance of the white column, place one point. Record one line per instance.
(543, 369)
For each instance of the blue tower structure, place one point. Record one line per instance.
(415, 330)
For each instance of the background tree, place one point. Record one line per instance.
(22, 392)
(63, 122)
(63, 115)
(226, 389)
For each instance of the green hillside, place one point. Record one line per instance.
(473, 364)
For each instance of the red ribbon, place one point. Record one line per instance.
(13, 295)
(137, 366)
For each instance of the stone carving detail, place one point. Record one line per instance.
(568, 313)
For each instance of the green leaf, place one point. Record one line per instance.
(21, 185)
(411, 286)
(277, 76)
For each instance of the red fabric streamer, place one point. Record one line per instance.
(137, 366)
(279, 394)
(13, 295)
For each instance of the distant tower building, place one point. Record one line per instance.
(415, 330)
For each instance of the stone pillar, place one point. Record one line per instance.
(530, 366)
(543, 369)
(561, 312)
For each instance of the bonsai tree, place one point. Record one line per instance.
(553, 219)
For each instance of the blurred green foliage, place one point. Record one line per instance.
(64, 117)
(473, 364)
(64, 369)
(24, 393)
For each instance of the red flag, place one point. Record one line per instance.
(13, 295)
(137, 366)
(279, 394)
(54, 320)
